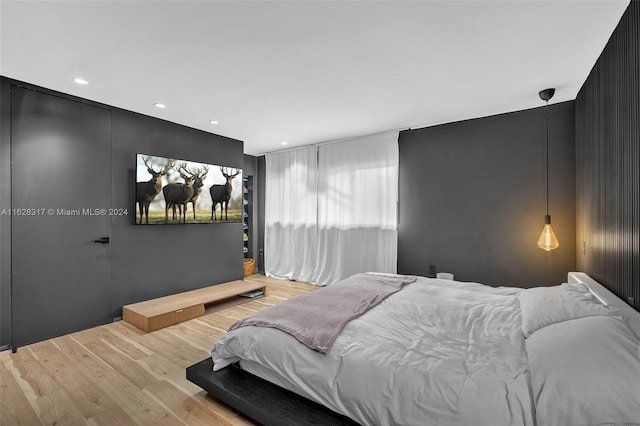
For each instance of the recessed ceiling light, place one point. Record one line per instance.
(81, 81)
(159, 105)
(213, 122)
(284, 142)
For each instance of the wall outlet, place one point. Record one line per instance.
(261, 252)
(630, 300)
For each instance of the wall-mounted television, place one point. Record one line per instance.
(173, 191)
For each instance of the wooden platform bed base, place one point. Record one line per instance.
(259, 399)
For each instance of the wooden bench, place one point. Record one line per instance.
(155, 314)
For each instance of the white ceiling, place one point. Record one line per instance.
(307, 71)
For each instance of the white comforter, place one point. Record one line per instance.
(437, 352)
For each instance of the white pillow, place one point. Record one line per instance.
(585, 372)
(543, 306)
(573, 287)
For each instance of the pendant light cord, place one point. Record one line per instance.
(547, 123)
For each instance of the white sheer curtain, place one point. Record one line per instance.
(291, 214)
(331, 209)
(357, 207)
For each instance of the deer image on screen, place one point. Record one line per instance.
(198, 179)
(182, 171)
(178, 194)
(147, 191)
(221, 194)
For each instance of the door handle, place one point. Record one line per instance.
(102, 240)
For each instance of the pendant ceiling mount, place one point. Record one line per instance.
(547, 94)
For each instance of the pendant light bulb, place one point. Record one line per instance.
(548, 240)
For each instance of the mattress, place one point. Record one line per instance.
(439, 350)
(454, 353)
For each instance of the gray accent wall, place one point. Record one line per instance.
(157, 260)
(608, 163)
(472, 198)
(147, 261)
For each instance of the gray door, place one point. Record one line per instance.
(60, 178)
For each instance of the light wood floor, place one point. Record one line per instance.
(118, 375)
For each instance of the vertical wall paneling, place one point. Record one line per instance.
(608, 163)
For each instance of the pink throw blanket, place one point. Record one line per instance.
(317, 318)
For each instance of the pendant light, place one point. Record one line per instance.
(547, 240)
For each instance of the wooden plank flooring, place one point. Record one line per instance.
(118, 375)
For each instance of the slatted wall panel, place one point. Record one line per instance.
(608, 163)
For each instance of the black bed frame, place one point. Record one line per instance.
(259, 399)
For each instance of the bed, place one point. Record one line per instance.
(445, 352)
